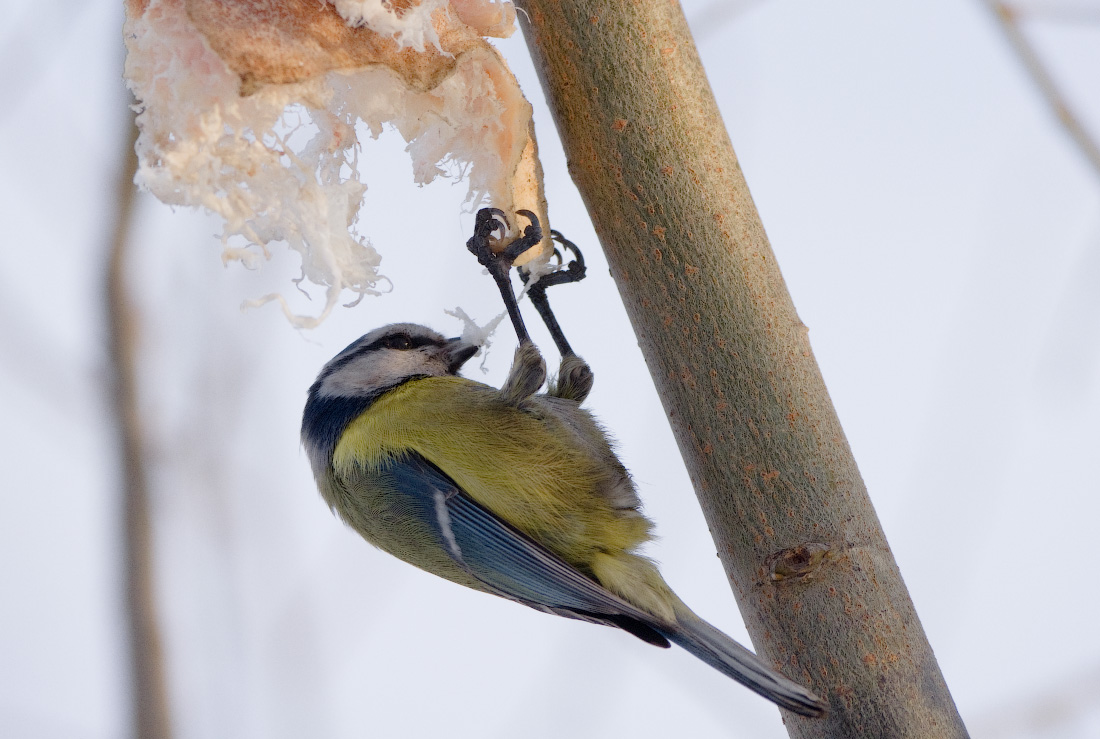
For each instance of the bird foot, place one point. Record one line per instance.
(491, 220)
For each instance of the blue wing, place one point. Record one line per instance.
(423, 503)
(504, 559)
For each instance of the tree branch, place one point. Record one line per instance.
(796, 532)
(1006, 18)
(151, 718)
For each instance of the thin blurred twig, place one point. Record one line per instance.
(151, 719)
(1007, 19)
(1064, 13)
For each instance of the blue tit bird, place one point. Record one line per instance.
(508, 491)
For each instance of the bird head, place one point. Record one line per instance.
(375, 363)
(388, 356)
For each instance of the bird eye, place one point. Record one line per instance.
(398, 341)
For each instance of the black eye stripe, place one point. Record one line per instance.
(400, 341)
(384, 342)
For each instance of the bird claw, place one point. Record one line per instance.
(490, 220)
(575, 271)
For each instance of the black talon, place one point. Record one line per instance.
(574, 272)
(532, 235)
(494, 219)
(488, 221)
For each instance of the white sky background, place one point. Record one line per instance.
(940, 237)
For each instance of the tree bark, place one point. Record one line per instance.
(800, 542)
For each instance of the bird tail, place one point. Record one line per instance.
(733, 660)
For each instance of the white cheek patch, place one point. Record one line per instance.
(378, 369)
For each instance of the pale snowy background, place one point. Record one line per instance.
(940, 237)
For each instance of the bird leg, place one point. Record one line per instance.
(500, 263)
(574, 272)
(575, 378)
(528, 368)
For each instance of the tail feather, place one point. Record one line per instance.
(733, 660)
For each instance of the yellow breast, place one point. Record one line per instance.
(525, 464)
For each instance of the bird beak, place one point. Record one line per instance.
(456, 352)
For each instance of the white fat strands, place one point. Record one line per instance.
(229, 93)
(413, 28)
